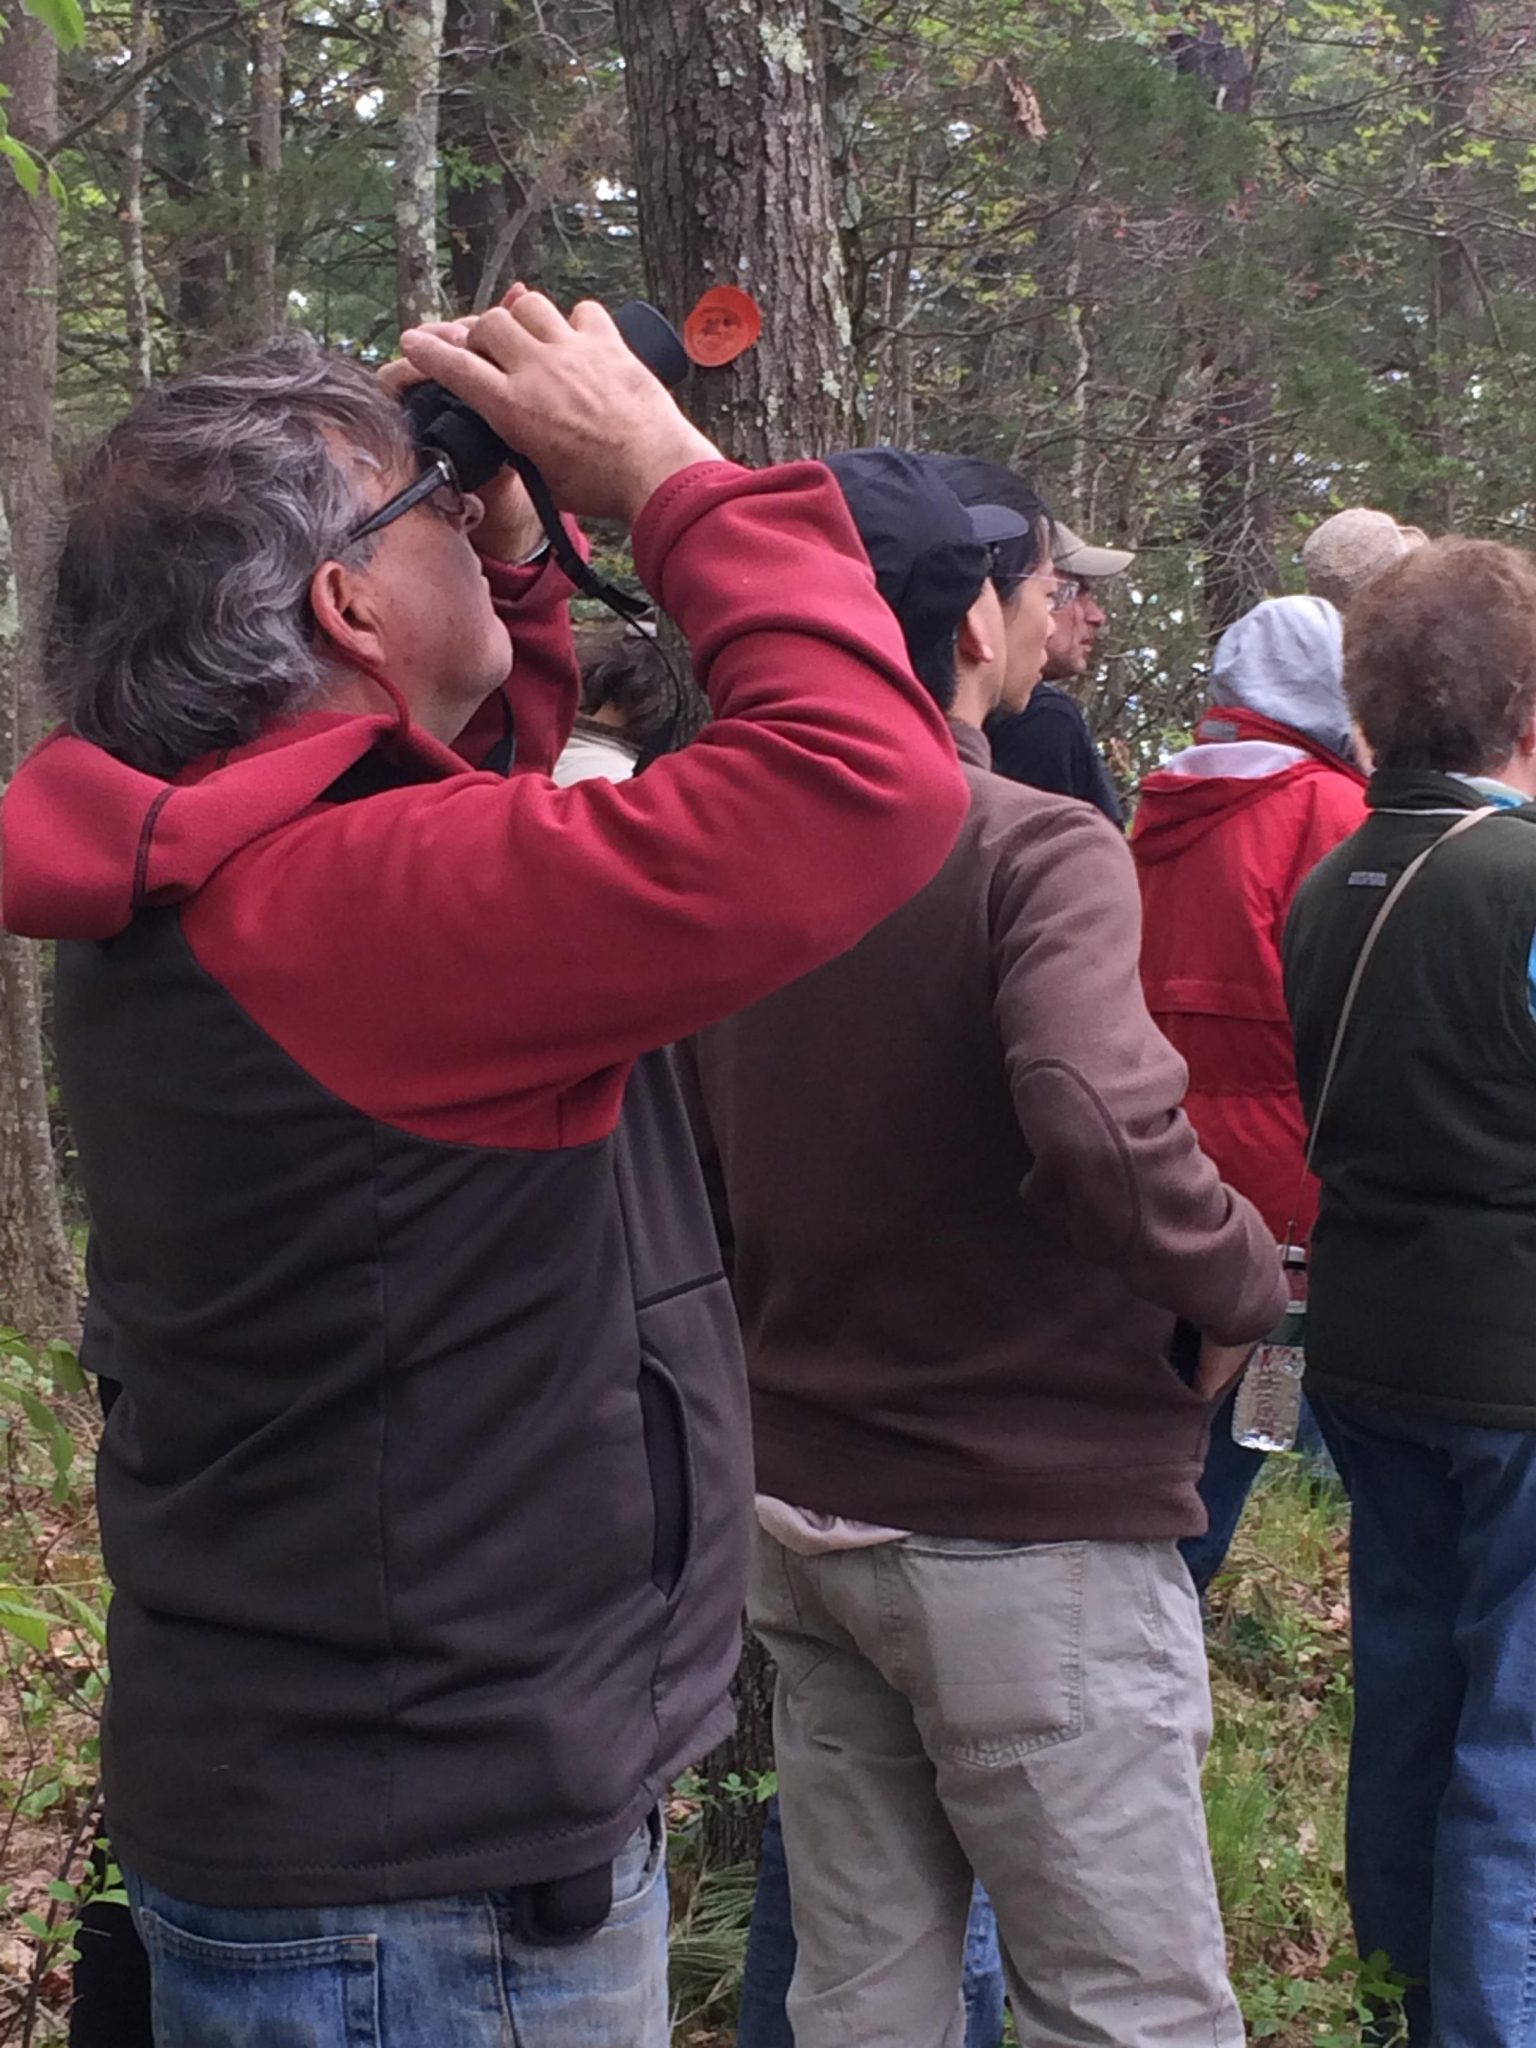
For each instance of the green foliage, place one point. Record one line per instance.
(1325, 205)
(64, 20)
(52, 1678)
(25, 165)
(1274, 1780)
(708, 1938)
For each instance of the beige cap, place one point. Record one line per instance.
(1075, 557)
(1342, 555)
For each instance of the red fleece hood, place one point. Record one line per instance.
(1175, 810)
(87, 840)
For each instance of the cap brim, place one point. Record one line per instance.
(1077, 558)
(995, 522)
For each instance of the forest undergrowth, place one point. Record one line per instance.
(1278, 1635)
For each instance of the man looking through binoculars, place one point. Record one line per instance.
(425, 1491)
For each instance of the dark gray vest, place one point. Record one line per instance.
(1424, 1259)
(427, 1492)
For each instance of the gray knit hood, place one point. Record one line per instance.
(1285, 660)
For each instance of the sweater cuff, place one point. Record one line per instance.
(541, 581)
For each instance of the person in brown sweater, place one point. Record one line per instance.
(968, 1214)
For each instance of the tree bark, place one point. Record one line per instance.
(189, 99)
(892, 416)
(265, 307)
(1452, 287)
(36, 1278)
(733, 173)
(1236, 520)
(419, 27)
(1236, 514)
(29, 227)
(130, 212)
(732, 1826)
(495, 205)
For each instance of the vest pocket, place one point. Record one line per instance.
(670, 1462)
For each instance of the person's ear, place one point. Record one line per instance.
(346, 607)
(980, 638)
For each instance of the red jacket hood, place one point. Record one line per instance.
(87, 840)
(1178, 805)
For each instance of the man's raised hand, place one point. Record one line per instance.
(571, 396)
(510, 529)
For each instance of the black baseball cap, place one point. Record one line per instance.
(930, 554)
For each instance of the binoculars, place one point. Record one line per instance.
(444, 425)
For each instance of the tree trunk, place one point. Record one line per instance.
(264, 313)
(419, 26)
(36, 1277)
(29, 72)
(735, 187)
(1452, 286)
(130, 212)
(476, 201)
(495, 206)
(891, 411)
(732, 169)
(1236, 515)
(1080, 364)
(37, 1280)
(189, 102)
(733, 1774)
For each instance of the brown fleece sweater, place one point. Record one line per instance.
(967, 1207)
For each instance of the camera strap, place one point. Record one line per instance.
(581, 573)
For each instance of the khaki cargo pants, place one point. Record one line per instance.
(1035, 1713)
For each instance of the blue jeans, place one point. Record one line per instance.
(1441, 1860)
(1225, 1484)
(770, 1961)
(423, 1973)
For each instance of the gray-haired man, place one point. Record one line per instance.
(425, 1493)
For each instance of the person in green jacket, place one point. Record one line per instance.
(1421, 1351)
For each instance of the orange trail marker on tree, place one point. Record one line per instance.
(724, 323)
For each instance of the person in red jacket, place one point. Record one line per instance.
(425, 1493)
(1225, 834)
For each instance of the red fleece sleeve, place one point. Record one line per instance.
(478, 960)
(544, 686)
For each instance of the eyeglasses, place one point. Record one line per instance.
(437, 488)
(1068, 590)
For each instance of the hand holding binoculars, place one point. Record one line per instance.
(445, 425)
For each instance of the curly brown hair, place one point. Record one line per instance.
(1440, 657)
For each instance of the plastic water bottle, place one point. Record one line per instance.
(1267, 1411)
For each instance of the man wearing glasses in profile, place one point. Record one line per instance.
(1047, 744)
(424, 1492)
